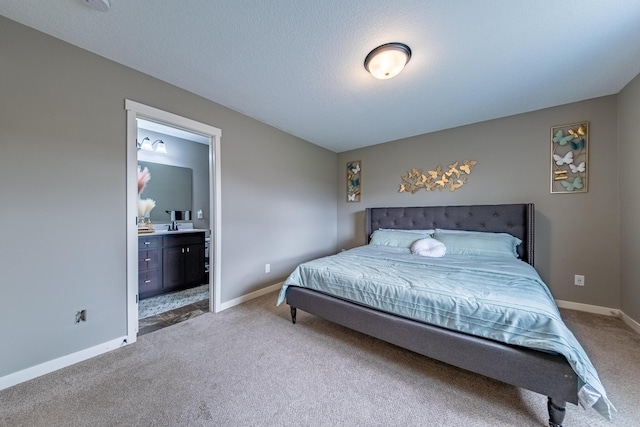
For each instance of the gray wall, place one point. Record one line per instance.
(575, 233)
(629, 136)
(186, 154)
(63, 179)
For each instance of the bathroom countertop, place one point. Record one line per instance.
(161, 230)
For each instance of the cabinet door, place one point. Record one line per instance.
(149, 274)
(148, 284)
(173, 262)
(148, 260)
(194, 265)
(149, 242)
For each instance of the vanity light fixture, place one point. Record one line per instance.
(161, 147)
(386, 61)
(147, 145)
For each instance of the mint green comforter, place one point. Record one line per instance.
(502, 299)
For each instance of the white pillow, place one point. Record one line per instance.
(476, 243)
(395, 238)
(429, 247)
(429, 231)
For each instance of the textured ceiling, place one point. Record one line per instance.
(298, 65)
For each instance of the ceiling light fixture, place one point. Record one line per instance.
(147, 145)
(386, 61)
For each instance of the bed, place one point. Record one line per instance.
(542, 370)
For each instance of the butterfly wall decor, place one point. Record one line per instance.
(563, 160)
(437, 178)
(353, 181)
(571, 186)
(561, 139)
(569, 158)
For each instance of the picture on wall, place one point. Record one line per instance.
(569, 158)
(437, 179)
(353, 181)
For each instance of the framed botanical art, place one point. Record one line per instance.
(570, 158)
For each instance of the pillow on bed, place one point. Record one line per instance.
(479, 243)
(395, 238)
(429, 231)
(429, 247)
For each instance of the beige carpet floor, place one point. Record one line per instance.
(249, 366)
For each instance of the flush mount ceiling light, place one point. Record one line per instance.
(386, 61)
(147, 145)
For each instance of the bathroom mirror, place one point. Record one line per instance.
(170, 187)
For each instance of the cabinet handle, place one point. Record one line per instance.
(148, 259)
(147, 243)
(187, 249)
(182, 250)
(147, 281)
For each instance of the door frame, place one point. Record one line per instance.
(137, 110)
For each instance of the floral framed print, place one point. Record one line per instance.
(353, 181)
(570, 158)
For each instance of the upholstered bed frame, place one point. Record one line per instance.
(541, 372)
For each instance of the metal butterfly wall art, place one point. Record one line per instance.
(569, 158)
(437, 179)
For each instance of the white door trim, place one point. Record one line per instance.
(135, 110)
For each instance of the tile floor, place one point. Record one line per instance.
(162, 320)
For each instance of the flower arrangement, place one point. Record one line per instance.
(143, 178)
(144, 205)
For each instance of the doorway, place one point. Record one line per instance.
(136, 112)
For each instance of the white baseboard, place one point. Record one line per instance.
(59, 363)
(62, 362)
(632, 323)
(595, 309)
(600, 310)
(250, 296)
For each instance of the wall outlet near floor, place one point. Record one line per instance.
(578, 280)
(267, 268)
(81, 316)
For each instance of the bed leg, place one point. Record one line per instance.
(293, 314)
(556, 412)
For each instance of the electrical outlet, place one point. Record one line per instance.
(267, 268)
(81, 316)
(578, 280)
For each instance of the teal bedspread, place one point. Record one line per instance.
(502, 299)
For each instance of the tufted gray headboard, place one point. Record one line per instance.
(515, 219)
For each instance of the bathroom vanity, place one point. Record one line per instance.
(170, 261)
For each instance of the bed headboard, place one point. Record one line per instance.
(515, 219)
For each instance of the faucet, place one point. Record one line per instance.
(174, 216)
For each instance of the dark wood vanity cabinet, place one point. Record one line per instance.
(149, 266)
(183, 261)
(168, 263)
